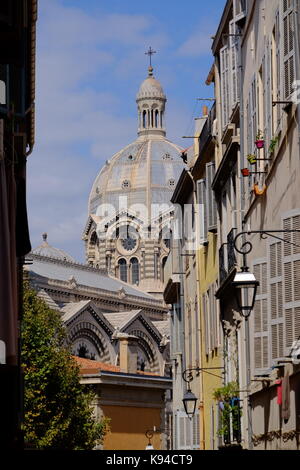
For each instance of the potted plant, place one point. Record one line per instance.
(259, 142)
(252, 159)
(230, 420)
(273, 144)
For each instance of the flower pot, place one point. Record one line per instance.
(252, 159)
(260, 143)
(245, 172)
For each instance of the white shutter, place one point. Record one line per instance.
(197, 317)
(213, 318)
(225, 87)
(210, 198)
(277, 92)
(202, 206)
(276, 300)
(206, 323)
(187, 431)
(233, 63)
(291, 270)
(288, 46)
(261, 324)
(190, 335)
(239, 8)
(267, 86)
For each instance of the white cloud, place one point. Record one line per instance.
(198, 44)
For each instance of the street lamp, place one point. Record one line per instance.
(150, 433)
(189, 403)
(189, 399)
(245, 286)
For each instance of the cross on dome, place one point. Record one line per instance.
(150, 53)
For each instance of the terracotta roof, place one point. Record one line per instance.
(88, 366)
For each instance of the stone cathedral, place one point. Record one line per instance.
(129, 210)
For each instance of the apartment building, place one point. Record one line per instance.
(256, 68)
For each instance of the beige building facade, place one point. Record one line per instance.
(256, 73)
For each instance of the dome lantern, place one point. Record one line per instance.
(151, 102)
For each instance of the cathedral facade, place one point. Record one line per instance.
(129, 211)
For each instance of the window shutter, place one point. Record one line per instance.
(181, 429)
(206, 324)
(276, 300)
(187, 431)
(288, 46)
(210, 198)
(202, 204)
(225, 88)
(267, 79)
(211, 319)
(190, 335)
(261, 326)
(291, 271)
(234, 69)
(277, 92)
(197, 317)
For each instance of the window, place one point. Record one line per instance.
(94, 239)
(288, 46)
(126, 184)
(224, 75)
(201, 198)
(164, 260)
(144, 119)
(276, 72)
(187, 433)
(210, 198)
(276, 300)
(122, 269)
(234, 66)
(267, 93)
(135, 271)
(291, 282)
(261, 323)
(210, 313)
(239, 8)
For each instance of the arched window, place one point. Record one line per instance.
(163, 263)
(156, 118)
(94, 238)
(122, 269)
(144, 119)
(135, 270)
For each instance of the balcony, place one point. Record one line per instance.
(227, 257)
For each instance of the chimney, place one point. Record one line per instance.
(205, 111)
(128, 353)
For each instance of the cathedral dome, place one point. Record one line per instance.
(130, 211)
(146, 171)
(51, 252)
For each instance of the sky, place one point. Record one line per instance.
(90, 63)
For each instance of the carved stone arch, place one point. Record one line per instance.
(89, 332)
(147, 347)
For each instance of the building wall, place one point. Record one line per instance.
(267, 211)
(208, 275)
(128, 426)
